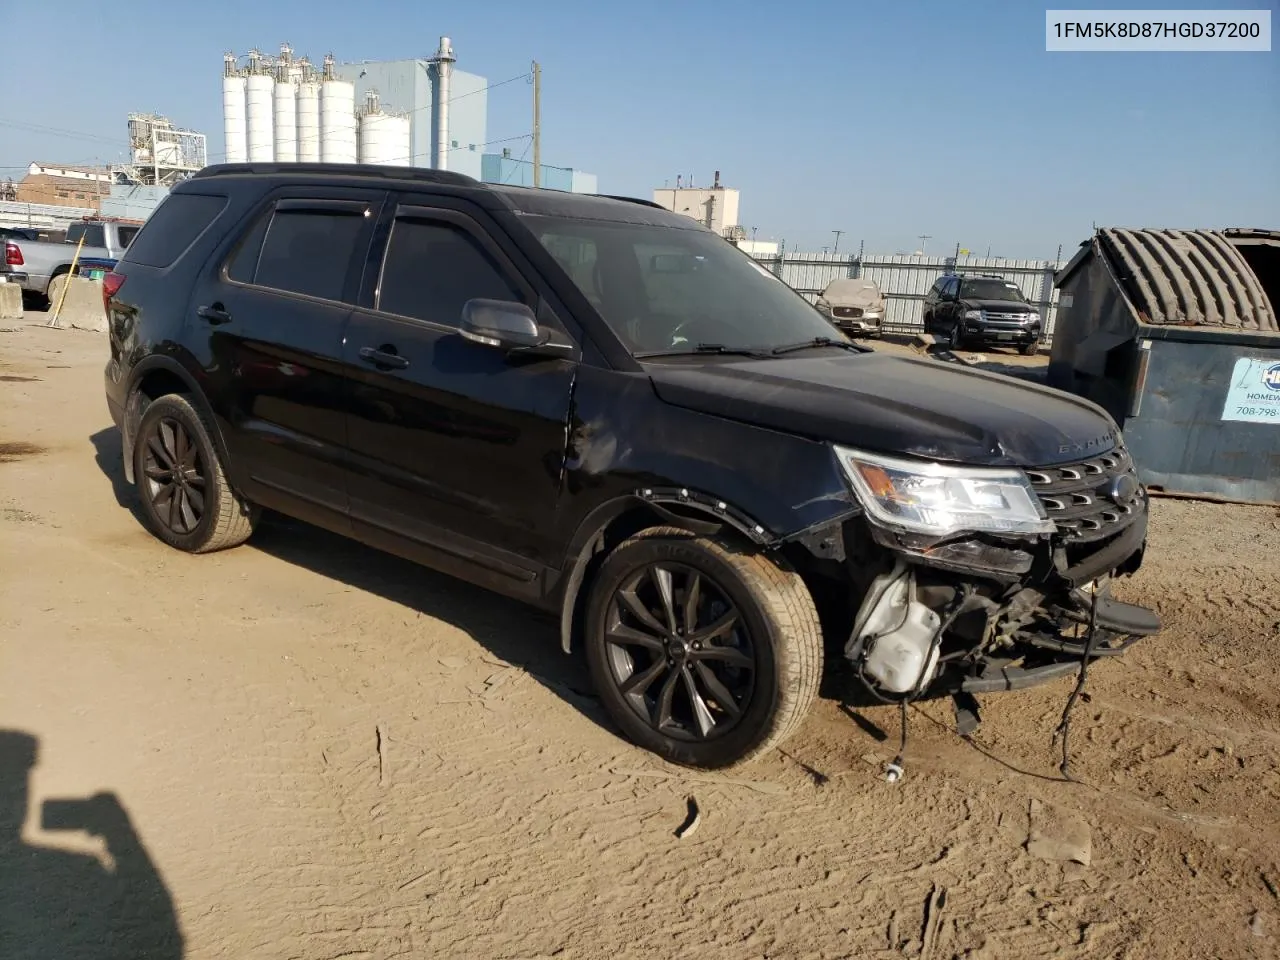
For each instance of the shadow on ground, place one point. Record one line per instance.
(512, 632)
(108, 454)
(69, 906)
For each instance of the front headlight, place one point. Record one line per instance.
(1033, 318)
(975, 315)
(916, 496)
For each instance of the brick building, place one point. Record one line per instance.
(64, 185)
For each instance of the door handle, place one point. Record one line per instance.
(383, 358)
(214, 314)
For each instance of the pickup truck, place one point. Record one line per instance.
(35, 265)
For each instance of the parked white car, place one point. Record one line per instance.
(854, 306)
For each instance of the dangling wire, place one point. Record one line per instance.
(1064, 727)
(894, 770)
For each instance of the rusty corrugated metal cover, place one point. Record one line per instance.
(1187, 278)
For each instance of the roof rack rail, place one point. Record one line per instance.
(426, 174)
(643, 203)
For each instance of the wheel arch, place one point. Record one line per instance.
(616, 520)
(61, 269)
(150, 379)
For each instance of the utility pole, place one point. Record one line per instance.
(537, 124)
(836, 248)
(924, 238)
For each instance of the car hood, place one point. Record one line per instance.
(901, 405)
(999, 306)
(864, 300)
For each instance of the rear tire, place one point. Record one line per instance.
(701, 651)
(56, 286)
(185, 496)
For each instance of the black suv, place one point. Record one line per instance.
(986, 309)
(603, 409)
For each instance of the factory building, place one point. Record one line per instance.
(419, 112)
(447, 108)
(715, 207)
(503, 168)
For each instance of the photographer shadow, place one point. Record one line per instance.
(59, 904)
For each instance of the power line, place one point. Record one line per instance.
(527, 146)
(59, 132)
(99, 138)
(408, 113)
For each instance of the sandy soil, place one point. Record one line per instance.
(324, 752)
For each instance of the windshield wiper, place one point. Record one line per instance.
(704, 348)
(819, 342)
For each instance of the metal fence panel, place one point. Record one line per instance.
(905, 279)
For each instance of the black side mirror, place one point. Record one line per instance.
(500, 323)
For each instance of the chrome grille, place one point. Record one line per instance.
(1078, 496)
(1007, 317)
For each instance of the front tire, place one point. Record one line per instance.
(1029, 349)
(701, 651)
(956, 339)
(185, 496)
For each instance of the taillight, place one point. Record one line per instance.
(13, 254)
(111, 285)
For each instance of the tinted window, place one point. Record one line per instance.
(172, 228)
(244, 261)
(125, 235)
(432, 269)
(309, 252)
(985, 289)
(92, 233)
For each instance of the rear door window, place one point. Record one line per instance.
(312, 251)
(172, 229)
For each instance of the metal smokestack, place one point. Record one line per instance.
(444, 61)
(716, 184)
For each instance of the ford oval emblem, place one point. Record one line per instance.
(1121, 489)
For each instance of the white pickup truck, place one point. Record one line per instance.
(35, 265)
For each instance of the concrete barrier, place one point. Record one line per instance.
(10, 301)
(81, 307)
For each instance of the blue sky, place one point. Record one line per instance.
(885, 121)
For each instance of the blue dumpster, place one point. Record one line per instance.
(1175, 333)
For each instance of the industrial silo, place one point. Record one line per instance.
(384, 138)
(285, 108)
(286, 122)
(235, 131)
(260, 107)
(308, 121)
(337, 117)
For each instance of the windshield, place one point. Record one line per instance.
(664, 288)
(991, 290)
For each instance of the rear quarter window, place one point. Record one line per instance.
(173, 227)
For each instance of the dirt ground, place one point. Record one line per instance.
(322, 752)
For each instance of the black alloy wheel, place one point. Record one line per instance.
(186, 498)
(175, 474)
(679, 652)
(701, 649)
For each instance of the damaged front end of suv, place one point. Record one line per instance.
(980, 580)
